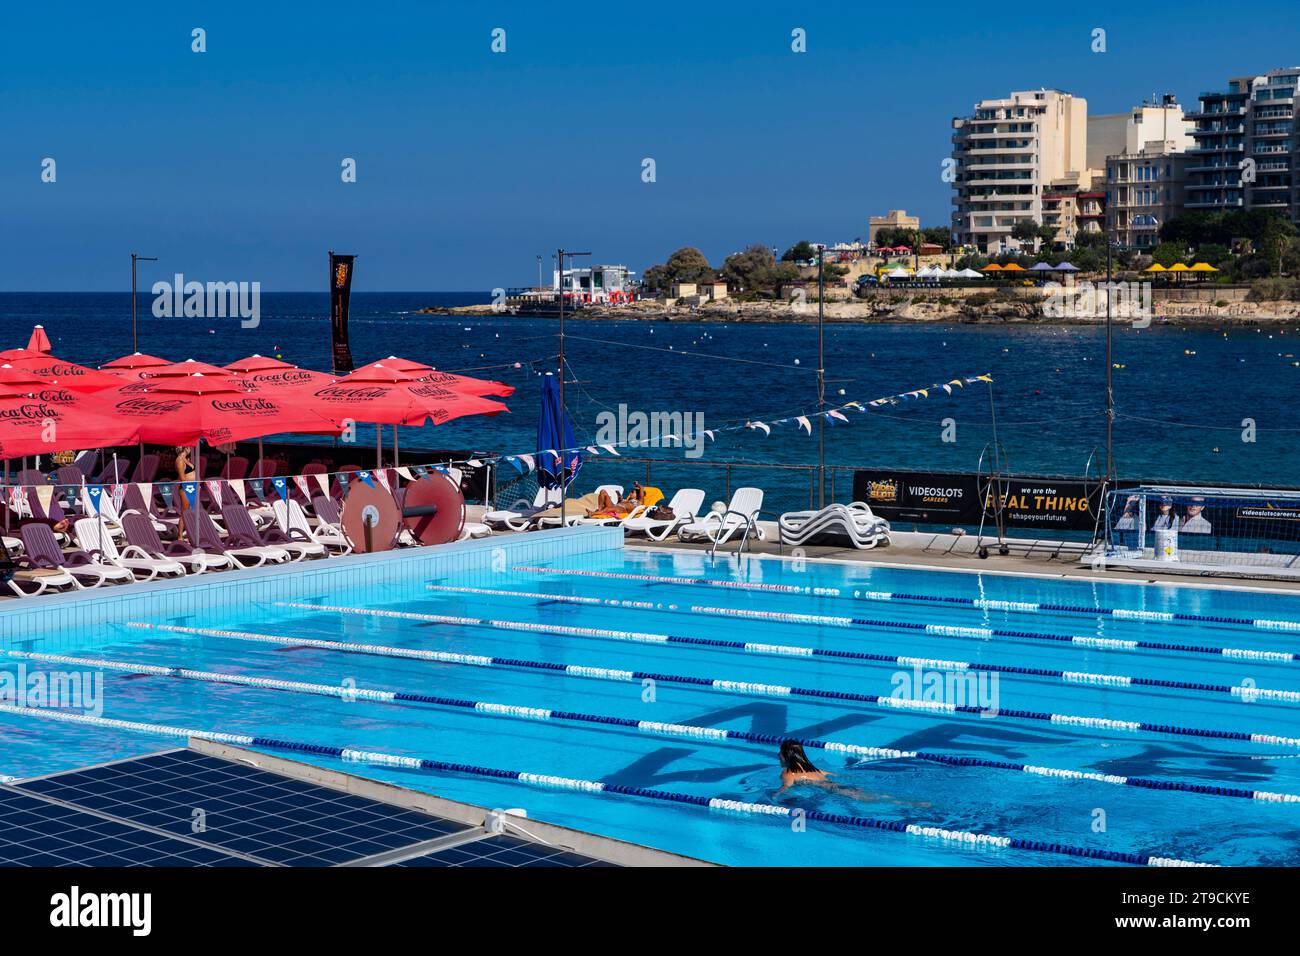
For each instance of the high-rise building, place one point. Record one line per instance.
(1146, 176)
(1245, 152)
(1007, 154)
(1114, 134)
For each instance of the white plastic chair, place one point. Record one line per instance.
(718, 527)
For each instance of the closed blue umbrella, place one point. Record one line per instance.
(555, 433)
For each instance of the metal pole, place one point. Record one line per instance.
(559, 265)
(1110, 371)
(559, 289)
(135, 337)
(821, 377)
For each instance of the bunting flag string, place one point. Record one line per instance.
(19, 497)
(832, 416)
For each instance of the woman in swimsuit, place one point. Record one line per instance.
(796, 768)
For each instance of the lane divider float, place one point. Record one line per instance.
(650, 727)
(1248, 694)
(945, 837)
(1021, 607)
(1072, 720)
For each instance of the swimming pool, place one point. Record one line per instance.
(642, 694)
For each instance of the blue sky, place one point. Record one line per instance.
(226, 164)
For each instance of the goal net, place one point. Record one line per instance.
(1206, 530)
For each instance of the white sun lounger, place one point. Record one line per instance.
(686, 505)
(741, 512)
(99, 543)
(615, 493)
(292, 520)
(516, 518)
(856, 522)
(39, 581)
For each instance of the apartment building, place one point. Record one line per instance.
(1146, 177)
(1144, 191)
(1245, 150)
(1115, 134)
(1007, 154)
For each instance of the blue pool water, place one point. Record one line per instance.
(1078, 813)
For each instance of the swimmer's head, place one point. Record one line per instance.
(794, 759)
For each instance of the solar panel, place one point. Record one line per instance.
(184, 808)
(34, 832)
(503, 851)
(241, 808)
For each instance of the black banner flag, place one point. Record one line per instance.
(340, 294)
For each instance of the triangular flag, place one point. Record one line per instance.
(281, 486)
(804, 423)
(405, 473)
(146, 490)
(324, 482)
(762, 426)
(382, 475)
(303, 487)
(528, 461)
(365, 476)
(240, 489)
(838, 415)
(44, 496)
(612, 450)
(214, 490)
(91, 495)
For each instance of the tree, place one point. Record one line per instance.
(1025, 230)
(801, 251)
(938, 235)
(1087, 259)
(688, 264)
(1167, 253)
(755, 269)
(656, 279)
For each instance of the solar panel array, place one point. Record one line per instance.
(182, 808)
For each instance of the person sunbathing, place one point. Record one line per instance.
(607, 507)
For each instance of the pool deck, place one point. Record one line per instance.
(947, 552)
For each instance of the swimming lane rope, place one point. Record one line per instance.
(957, 838)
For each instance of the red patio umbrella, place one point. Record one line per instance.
(133, 362)
(395, 403)
(459, 383)
(257, 373)
(29, 426)
(39, 342)
(255, 363)
(67, 374)
(181, 411)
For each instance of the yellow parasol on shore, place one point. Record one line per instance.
(1155, 267)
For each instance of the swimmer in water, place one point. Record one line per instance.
(796, 768)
